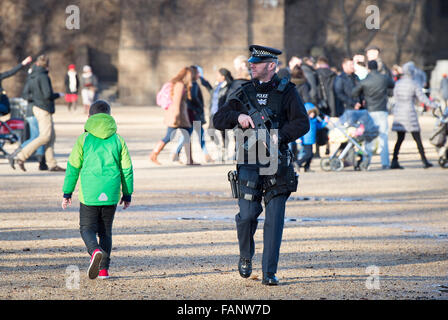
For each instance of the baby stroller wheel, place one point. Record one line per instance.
(336, 164)
(325, 164)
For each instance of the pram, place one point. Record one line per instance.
(12, 130)
(8, 133)
(354, 128)
(439, 135)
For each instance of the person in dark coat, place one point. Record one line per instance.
(374, 89)
(255, 180)
(304, 88)
(325, 89)
(406, 93)
(43, 97)
(4, 101)
(302, 85)
(32, 124)
(344, 84)
(219, 95)
(311, 77)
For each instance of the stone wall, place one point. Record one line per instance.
(137, 45)
(163, 36)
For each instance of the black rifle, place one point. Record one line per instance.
(261, 117)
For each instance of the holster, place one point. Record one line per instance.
(284, 182)
(233, 179)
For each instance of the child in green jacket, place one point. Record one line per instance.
(101, 161)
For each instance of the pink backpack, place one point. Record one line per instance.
(164, 98)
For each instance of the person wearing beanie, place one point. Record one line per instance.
(71, 87)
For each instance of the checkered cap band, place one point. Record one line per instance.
(262, 53)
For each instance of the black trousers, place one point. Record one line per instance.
(93, 221)
(246, 224)
(418, 140)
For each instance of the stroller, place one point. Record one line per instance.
(439, 135)
(12, 130)
(354, 128)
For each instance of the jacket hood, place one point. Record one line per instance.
(409, 69)
(101, 125)
(311, 108)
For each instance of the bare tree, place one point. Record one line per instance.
(402, 33)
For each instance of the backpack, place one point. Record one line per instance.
(328, 104)
(164, 98)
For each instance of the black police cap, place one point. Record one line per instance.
(261, 53)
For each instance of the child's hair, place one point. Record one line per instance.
(99, 106)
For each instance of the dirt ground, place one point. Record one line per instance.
(380, 234)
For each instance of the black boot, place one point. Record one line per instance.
(269, 279)
(245, 267)
(395, 165)
(427, 164)
(42, 162)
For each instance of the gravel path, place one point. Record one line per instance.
(348, 235)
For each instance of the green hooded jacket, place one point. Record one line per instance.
(101, 159)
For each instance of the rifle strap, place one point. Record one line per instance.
(251, 94)
(275, 97)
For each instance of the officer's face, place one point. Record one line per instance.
(261, 70)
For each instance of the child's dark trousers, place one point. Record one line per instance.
(93, 221)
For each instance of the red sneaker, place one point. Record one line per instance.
(104, 274)
(94, 266)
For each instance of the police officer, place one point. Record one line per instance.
(289, 122)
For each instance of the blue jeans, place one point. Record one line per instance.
(380, 119)
(201, 140)
(170, 132)
(34, 133)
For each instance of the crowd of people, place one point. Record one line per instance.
(361, 82)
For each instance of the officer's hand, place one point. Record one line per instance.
(245, 121)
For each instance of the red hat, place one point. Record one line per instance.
(71, 67)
